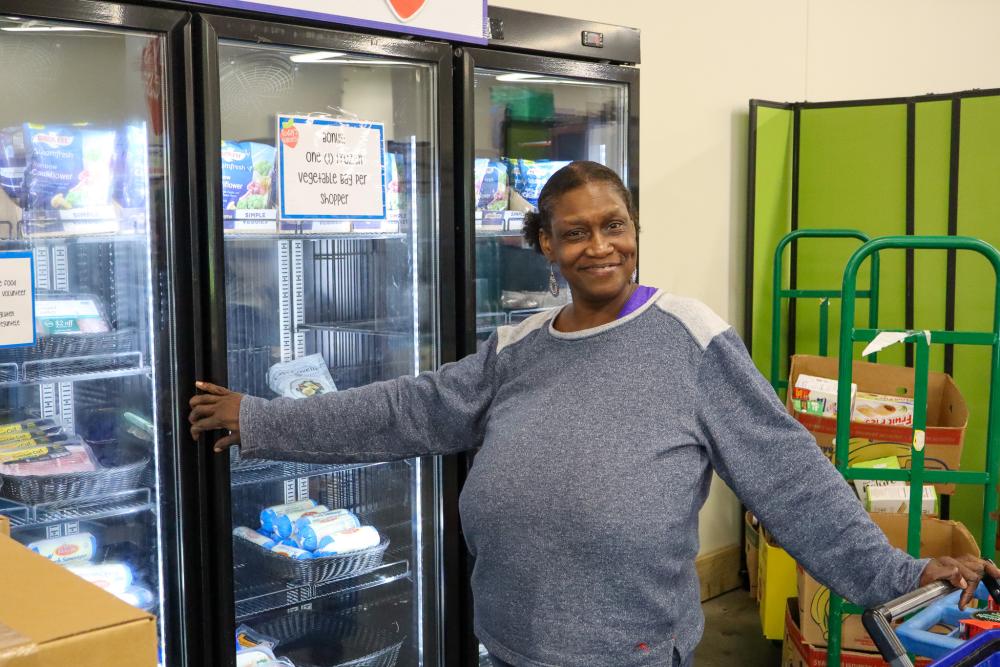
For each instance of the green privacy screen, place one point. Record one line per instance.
(881, 167)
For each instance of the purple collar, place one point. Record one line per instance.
(640, 296)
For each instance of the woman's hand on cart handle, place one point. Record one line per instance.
(217, 408)
(964, 572)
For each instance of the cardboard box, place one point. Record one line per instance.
(947, 415)
(885, 463)
(776, 582)
(937, 538)
(817, 395)
(49, 616)
(895, 498)
(751, 547)
(881, 409)
(796, 652)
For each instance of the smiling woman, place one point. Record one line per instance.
(598, 425)
(587, 226)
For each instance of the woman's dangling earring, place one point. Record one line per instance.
(635, 276)
(553, 283)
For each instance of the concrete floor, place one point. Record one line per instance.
(732, 635)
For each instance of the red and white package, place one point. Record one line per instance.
(79, 459)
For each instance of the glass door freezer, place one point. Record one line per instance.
(331, 269)
(522, 116)
(95, 464)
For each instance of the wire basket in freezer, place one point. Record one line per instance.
(313, 639)
(73, 345)
(35, 489)
(313, 571)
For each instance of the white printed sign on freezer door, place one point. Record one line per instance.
(330, 172)
(17, 299)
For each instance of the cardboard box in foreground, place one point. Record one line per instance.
(798, 653)
(51, 617)
(937, 538)
(947, 415)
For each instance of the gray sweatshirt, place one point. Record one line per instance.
(597, 449)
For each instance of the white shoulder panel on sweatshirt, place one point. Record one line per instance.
(700, 320)
(511, 334)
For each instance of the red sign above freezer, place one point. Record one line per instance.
(460, 20)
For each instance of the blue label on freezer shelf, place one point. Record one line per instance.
(17, 299)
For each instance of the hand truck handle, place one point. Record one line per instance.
(878, 621)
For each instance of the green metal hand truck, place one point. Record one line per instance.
(916, 475)
(778, 293)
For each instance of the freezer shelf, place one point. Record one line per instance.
(72, 369)
(79, 509)
(256, 600)
(262, 471)
(303, 236)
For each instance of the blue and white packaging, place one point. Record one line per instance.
(251, 535)
(269, 515)
(247, 195)
(69, 168)
(132, 167)
(284, 525)
(112, 577)
(530, 176)
(491, 185)
(348, 541)
(291, 552)
(69, 549)
(259, 656)
(137, 596)
(310, 532)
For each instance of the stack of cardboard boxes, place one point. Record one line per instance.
(793, 605)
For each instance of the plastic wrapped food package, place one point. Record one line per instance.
(301, 378)
(78, 458)
(347, 541)
(247, 169)
(315, 534)
(285, 524)
(269, 515)
(111, 576)
(528, 177)
(491, 185)
(67, 549)
(69, 314)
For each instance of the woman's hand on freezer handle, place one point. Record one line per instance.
(216, 408)
(964, 572)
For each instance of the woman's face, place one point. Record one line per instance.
(593, 242)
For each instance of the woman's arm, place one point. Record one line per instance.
(779, 472)
(439, 412)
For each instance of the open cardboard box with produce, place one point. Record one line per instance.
(947, 415)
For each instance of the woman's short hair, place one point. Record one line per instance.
(570, 177)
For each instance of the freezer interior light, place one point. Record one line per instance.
(45, 28)
(315, 56)
(519, 76)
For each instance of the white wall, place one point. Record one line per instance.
(703, 61)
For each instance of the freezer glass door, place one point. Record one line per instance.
(85, 382)
(329, 204)
(526, 126)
